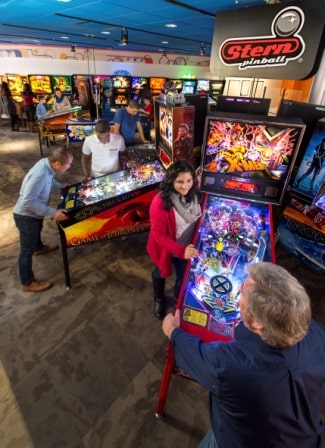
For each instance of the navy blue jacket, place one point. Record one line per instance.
(260, 397)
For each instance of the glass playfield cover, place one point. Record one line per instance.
(231, 234)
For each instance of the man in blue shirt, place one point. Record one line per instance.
(31, 208)
(127, 121)
(267, 386)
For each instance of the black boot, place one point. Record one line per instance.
(159, 296)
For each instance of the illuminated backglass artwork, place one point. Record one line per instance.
(40, 84)
(64, 83)
(311, 171)
(249, 158)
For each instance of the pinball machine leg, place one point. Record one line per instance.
(65, 258)
(40, 141)
(168, 370)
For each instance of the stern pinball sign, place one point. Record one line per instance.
(283, 43)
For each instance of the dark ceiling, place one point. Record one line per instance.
(98, 23)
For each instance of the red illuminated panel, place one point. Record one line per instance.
(165, 159)
(231, 184)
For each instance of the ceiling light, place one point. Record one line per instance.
(105, 32)
(64, 37)
(73, 48)
(164, 42)
(203, 49)
(170, 25)
(124, 37)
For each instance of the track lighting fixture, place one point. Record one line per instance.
(203, 49)
(124, 37)
(73, 48)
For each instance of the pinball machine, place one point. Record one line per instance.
(102, 96)
(170, 144)
(82, 87)
(16, 86)
(53, 124)
(301, 230)
(245, 167)
(137, 83)
(156, 86)
(110, 206)
(121, 90)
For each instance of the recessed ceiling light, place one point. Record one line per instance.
(105, 32)
(64, 37)
(171, 25)
(164, 42)
(64, 1)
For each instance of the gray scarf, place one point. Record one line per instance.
(190, 211)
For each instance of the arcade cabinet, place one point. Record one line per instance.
(245, 168)
(302, 227)
(174, 128)
(110, 206)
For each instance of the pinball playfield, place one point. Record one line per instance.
(111, 206)
(232, 233)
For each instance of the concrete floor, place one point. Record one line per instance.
(81, 368)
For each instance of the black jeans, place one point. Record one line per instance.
(30, 113)
(180, 267)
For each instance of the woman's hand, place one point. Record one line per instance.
(190, 252)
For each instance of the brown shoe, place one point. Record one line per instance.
(37, 286)
(46, 249)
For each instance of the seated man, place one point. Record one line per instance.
(127, 121)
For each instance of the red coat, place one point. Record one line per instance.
(162, 244)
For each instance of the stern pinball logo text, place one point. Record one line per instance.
(284, 45)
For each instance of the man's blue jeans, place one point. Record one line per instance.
(30, 241)
(208, 441)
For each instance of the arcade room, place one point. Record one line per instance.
(162, 224)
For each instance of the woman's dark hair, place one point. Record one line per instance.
(166, 186)
(27, 88)
(5, 88)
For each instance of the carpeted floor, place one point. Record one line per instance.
(81, 368)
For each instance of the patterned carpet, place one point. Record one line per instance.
(81, 368)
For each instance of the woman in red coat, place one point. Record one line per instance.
(173, 215)
(29, 99)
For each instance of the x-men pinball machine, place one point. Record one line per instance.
(246, 163)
